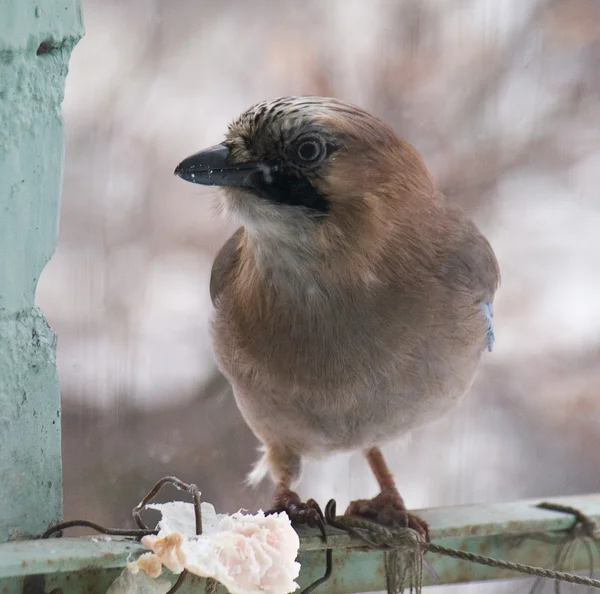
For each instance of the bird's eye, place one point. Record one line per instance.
(309, 150)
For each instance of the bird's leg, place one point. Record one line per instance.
(388, 507)
(285, 469)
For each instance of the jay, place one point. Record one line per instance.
(354, 302)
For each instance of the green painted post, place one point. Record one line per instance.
(36, 39)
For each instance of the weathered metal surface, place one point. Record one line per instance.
(36, 38)
(64, 555)
(504, 531)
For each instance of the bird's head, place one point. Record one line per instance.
(304, 166)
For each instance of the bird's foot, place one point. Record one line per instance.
(389, 510)
(300, 513)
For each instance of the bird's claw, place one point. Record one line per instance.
(388, 509)
(300, 513)
(308, 514)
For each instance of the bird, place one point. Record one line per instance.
(354, 302)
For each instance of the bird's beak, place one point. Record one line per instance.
(213, 167)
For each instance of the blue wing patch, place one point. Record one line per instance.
(488, 312)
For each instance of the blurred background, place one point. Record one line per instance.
(501, 97)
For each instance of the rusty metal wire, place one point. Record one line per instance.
(178, 484)
(188, 488)
(143, 530)
(58, 528)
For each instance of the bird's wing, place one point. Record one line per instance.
(484, 278)
(480, 275)
(224, 262)
(469, 264)
(469, 261)
(488, 312)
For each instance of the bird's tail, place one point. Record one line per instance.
(259, 470)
